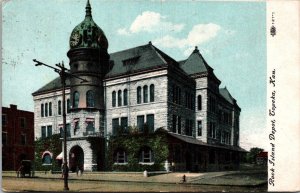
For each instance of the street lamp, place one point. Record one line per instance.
(63, 73)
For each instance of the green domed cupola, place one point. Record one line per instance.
(88, 34)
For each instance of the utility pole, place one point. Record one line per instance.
(63, 73)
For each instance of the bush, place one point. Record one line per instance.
(52, 144)
(132, 144)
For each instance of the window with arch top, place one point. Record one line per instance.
(145, 92)
(50, 109)
(125, 97)
(46, 110)
(75, 99)
(152, 93)
(113, 96)
(90, 98)
(139, 95)
(119, 98)
(42, 110)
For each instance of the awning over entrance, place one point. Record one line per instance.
(60, 156)
(47, 152)
(89, 120)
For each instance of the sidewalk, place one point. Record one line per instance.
(227, 178)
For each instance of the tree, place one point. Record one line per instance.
(251, 156)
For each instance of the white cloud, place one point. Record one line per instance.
(150, 22)
(202, 33)
(170, 42)
(199, 34)
(123, 31)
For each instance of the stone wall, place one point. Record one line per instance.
(133, 109)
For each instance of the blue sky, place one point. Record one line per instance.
(230, 36)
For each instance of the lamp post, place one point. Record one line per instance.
(63, 73)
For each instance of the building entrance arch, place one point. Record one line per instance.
(76, 158)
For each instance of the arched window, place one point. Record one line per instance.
(120, 156)
(50, 109)
(47, 159)
(125, 97)
(139, 95)
(113, 98)
(75, 99)
(46, 110)
(145, 92)
(119, 98)
(152, 93)
(199, 102)
(42, 110)
(90, 99)
(68, 105)
(59, 107)
(146, 155)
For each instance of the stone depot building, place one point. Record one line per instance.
(135, 89)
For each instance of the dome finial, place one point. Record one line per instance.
(196, 49)
(88, 9)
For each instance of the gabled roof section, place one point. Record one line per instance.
(138, 59)
(195, 63)
(53, 85)
(226, 95)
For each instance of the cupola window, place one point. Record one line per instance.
(90, 99)
(75, 99)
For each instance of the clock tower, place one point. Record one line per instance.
(89, 60)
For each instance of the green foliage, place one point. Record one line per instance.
(251, 156)
(52, 144)
(132, 145)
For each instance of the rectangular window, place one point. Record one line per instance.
(59, 107)
(191, 127)
(61, 132)
(44, 134)
(68, 106)
(68, 125)
(199, 128)
(121, 157)
(125, 97)
(150, 122)
(222, 137)
(179, 96)
(4, 120)
(76, 127)
(179, 125)
(22, 122)
(49, 130)
(4, 138)
(42, 110)
(187, 127)
(115, 126)
(140, 123)
(113, 99)
(124, 124)
(174, 121)
(23, 139)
